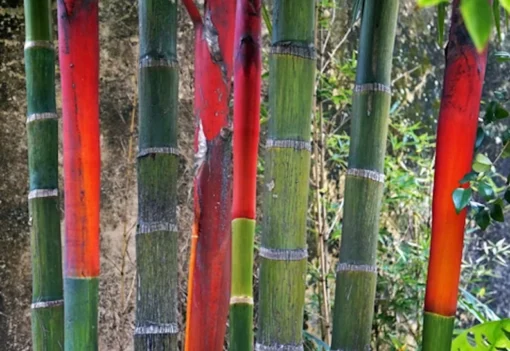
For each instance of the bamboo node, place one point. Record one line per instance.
(163, 328)
(290, 144)
(369, 87)
(293, 49)
(158, 150)
(283, 254)
(158, 62)
(152, 227)
(46, 304)
(348, 267)
(241, 299)
(41, 116)
(278, 347)
(366, 173)
(45, 44)
(38, 193)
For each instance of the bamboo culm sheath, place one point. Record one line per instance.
(156, 325)
(44, 207)
(283, 251)
(356, 272)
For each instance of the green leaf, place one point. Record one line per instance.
(477, 16)
(441, 14)
(485, 190)
(502, 56)
(427, 3)
(484, 337)
(480, 136)
(495, 112)
(482, 163)
(507, 195)
(482, 218)
(505, 4)
(497, 18)
(461, 198)
(497, 211)
(469, 177)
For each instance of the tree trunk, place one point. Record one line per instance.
(247, 73)
(44, 206)
(158, 161)
(456, 134)
(357, 271)
(283, 248)
(79, 67)
(210, 262)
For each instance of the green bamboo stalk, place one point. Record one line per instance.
(156, 239)
(357, 272)
(437, 330)
(241, 301)
(283, 248)
(44, 208)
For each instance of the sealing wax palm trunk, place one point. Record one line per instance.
(456, 133)
(247, 72)
(356, 272)
(209, 270)
(156, 236)
(79, 67)
(283, 250)
(42, 130)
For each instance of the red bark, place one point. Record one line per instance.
(79, 67)
(247, 74)
(458, 120)
(209, 277)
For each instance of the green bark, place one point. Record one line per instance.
(356, 278)
(437, 332)
(241, 310)
(156, 239)
(282, 272)
(81, 312)
(44, 208)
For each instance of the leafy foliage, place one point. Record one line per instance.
(484, 337)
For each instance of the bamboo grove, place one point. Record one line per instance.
(228, 85)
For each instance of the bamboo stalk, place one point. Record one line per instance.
(42, 130)
(210, 262)
(283, 248)
(456, 134)
(79, 66)
(247, 73)
(158, 161)
(357, 271)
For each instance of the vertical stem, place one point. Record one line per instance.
(456, 133)
(247, 73)
(156, 236)
(79, 67)
(210, 263)
(356, 271)
(44, 207)
(283, 248)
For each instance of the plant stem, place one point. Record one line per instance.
(283, 248)
(357, 271)
(158, 160)
(44, 207)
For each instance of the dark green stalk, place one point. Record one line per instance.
(437, 332)
(283, 248)
(42, 130)
(357, 272)
(156, 239)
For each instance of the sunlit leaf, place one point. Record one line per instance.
(461, 198)
(427, 3)
(505, 4)
(484, 337)
(477, 16)
(482, 163)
